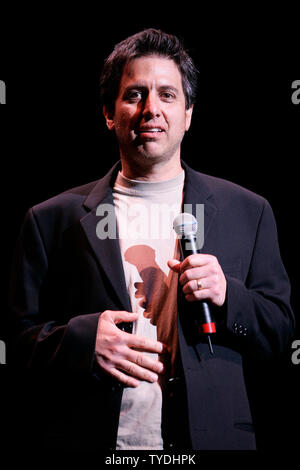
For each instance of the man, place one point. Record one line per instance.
(106, 322)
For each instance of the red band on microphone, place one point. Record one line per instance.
(207, 328)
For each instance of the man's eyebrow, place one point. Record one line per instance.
(140, 86)
(169, 87)
(135, 86)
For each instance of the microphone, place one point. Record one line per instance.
(186, 226)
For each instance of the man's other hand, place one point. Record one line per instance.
(118, 352)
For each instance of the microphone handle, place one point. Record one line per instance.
(206, 323)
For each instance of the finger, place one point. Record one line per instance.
(137, 372)
(203, 294)
(196, 260)
(125, 379)
(111, 369)
(192, 286)
(194, 273)
(122, 316)
(145, 344)
(145, 361)
(174, 264)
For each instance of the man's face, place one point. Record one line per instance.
(150, 116)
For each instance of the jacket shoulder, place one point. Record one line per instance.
(226, 191)
(70, 199)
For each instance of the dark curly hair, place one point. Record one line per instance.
(148, 42)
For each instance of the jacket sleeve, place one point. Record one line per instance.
(258, 311)
(42, 342)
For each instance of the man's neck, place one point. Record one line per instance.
(158, 171)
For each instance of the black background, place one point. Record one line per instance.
(245, 128)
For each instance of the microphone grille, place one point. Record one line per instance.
(185, 224)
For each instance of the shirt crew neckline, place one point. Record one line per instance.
(138, 187)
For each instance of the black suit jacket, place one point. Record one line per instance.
(64, 277)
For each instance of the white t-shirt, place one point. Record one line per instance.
(145, 212)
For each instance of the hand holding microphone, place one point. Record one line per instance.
(201, 275)
(201, 278)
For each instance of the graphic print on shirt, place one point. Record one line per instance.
(155, 294)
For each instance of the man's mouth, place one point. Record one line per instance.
(150, 131)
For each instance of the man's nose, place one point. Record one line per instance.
(151, 107)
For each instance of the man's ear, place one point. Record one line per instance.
(188, 117)
(108, 118)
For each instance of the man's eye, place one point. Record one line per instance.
(134, 95)
(167, 96)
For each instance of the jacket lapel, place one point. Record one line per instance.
(197, 191)
(106, 250)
